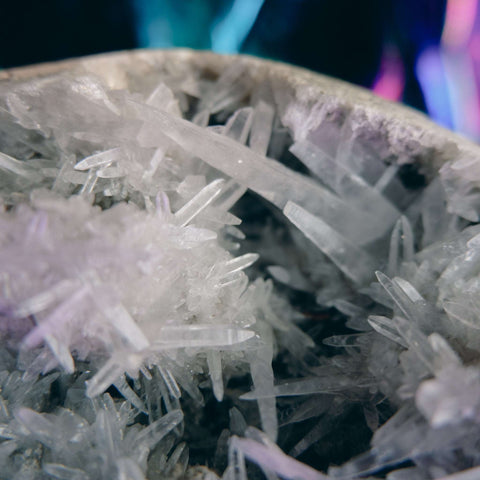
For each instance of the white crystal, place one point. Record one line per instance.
(201, 201)
(100, 159)
(345, 183)
(214, 362)
(262, 127)
(353, 261)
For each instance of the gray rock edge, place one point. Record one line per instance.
(401, 132)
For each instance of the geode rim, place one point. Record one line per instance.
(405, 134)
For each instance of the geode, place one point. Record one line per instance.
(223, 266)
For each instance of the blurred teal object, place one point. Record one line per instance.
(231, 31)
(218, 25)
(166, 23)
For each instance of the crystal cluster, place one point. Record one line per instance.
(191, 275)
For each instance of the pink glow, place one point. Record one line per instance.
(474, 47)
(474, 51)
(390, 81)
(459, 22)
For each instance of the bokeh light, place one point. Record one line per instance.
(425, 53)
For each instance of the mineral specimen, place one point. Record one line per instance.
(218, 262)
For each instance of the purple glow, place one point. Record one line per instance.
(460, 62)
(474, 50)
(463, 92)
(449, 75)
(431, 76)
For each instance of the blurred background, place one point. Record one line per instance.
(425, 53)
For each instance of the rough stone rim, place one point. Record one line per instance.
(410, 135)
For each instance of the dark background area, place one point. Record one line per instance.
(378, 44)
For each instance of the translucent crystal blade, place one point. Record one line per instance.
(99, 159)
(65, 473)
(345, 183)
(262, 127)
(355, 263)
(152, 434)
(201, 201)
(214, 362)
(239, 124)
(202, 336)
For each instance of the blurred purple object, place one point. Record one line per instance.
(449, 73)
(431, 76)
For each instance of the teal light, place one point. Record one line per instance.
(230, 32)
(170, 23)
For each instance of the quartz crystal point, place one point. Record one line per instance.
(344, 183)
(273, 459)
(352, 261)
(101, 159)
(262, 127)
